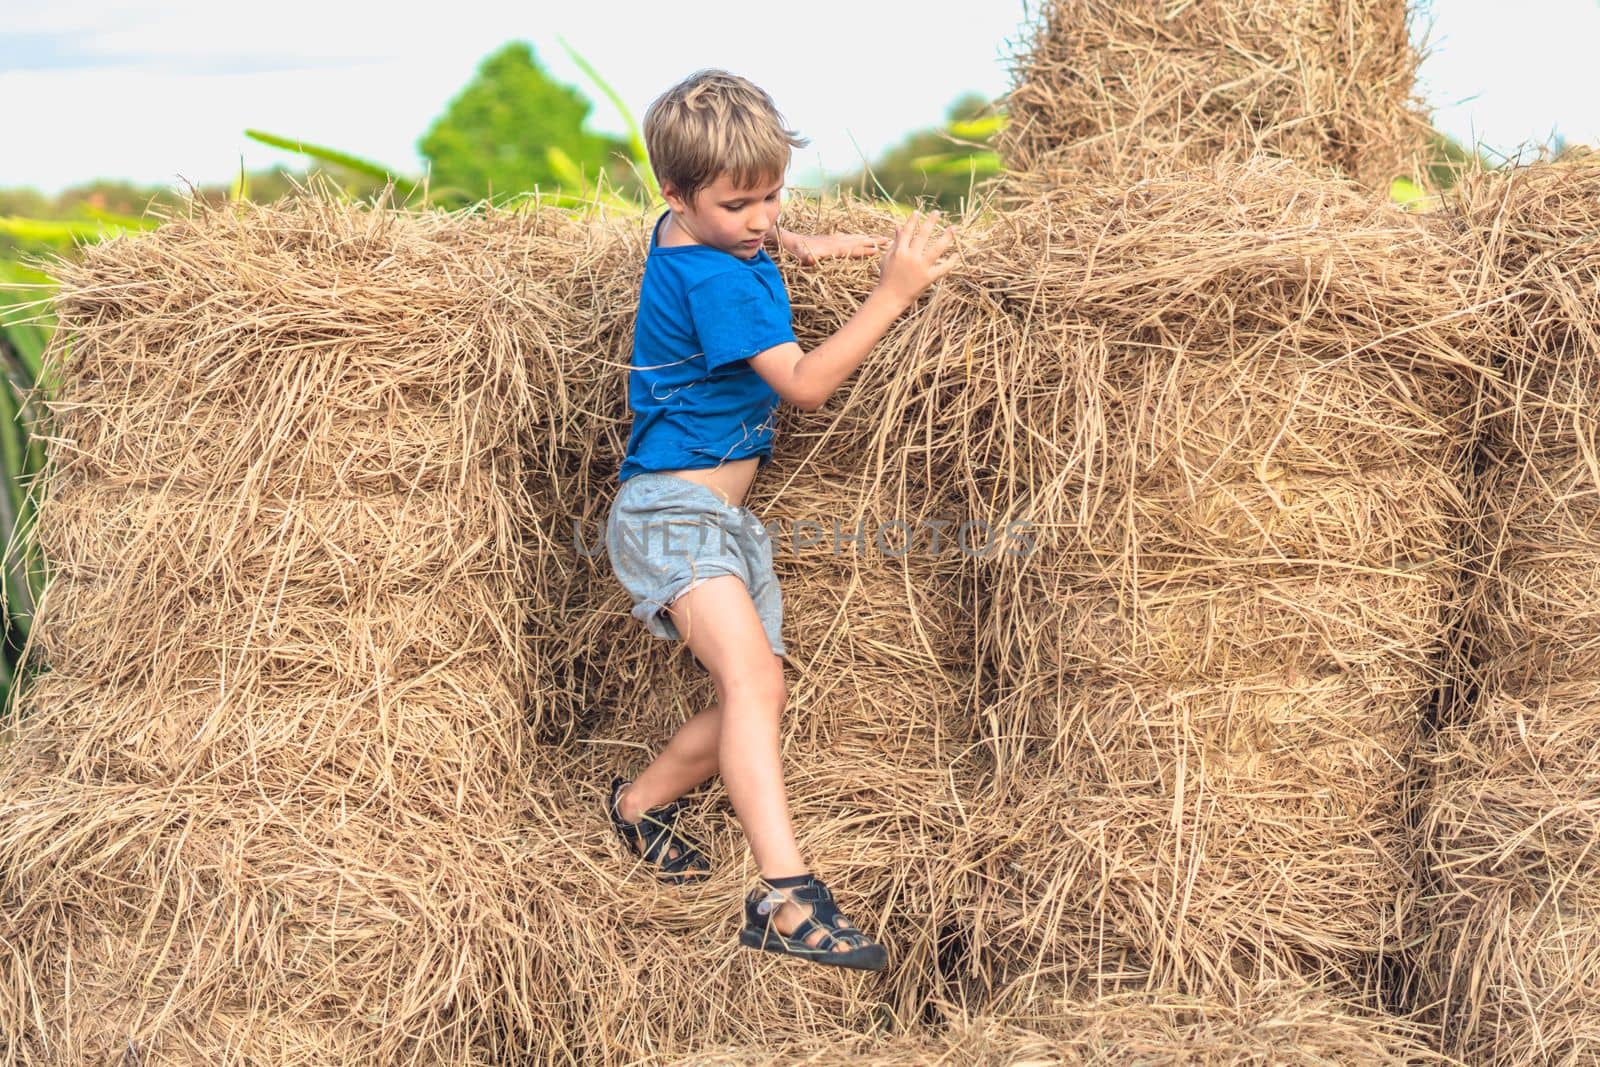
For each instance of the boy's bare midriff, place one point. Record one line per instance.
(730, 480)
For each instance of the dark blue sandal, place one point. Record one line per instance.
(654, 837)
(861, 952)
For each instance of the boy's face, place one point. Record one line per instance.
(728, 217)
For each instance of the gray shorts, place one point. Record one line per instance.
(665, 535)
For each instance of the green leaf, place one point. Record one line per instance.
(565, 169)
(979, 162)
(635, 139)
(11, 459)
(26, 321)
(18, 593)
(327, 155)
(56, 231)
(22, 378)
(574, 192)
(29, 342)
(1407, 194)
(21, 274)
(978, 129)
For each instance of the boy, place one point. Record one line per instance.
(714, 354)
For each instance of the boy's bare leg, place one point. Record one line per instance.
(689, 759)
(719, 623)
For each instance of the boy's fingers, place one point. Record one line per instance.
(919, 239)
(922, 238)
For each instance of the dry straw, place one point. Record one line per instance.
(1509, 827)
(1223, 812)
(1273, 1025)
(261, 807)
(876, 749)
(318, 468)
(336, 688)
(1122, 90)
(311, 467)
(1240, 420)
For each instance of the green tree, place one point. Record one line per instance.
(941, 165)
(495, 138)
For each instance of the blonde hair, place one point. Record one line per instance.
(715, 123)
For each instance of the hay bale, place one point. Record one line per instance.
(1508, 826)
(1513, 800)
(1223, 834)
(1239, 425)
(271, 775)
(880, 676)
(1182, 619)
(1123, 90)
(1531, 963)
(877, 771)
(847, 486)
(1535, 620)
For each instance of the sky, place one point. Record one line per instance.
(160, 91)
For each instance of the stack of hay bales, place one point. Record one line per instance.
(1511, 825)
(1123, 89)
(1151, 742)
(1238, 426)
(287, 809)
(261, 806)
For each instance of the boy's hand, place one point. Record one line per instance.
(844, 245)
(912, 262)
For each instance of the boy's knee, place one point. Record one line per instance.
(763, 686)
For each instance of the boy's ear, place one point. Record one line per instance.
(670, 194)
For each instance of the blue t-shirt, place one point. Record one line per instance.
(696, 402)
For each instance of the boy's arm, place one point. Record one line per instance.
(807, 379)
